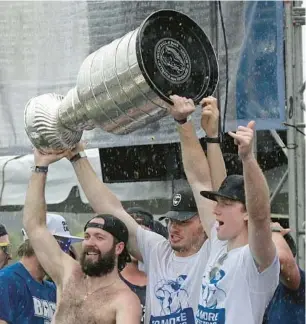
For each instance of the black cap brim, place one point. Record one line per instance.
(180, 216)
(212, 195)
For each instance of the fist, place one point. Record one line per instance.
(182, 107)
(244, 139)
(210, 116)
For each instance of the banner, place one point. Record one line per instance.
(43, 45)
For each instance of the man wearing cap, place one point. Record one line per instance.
(25, 297)
(5, 254)
(242, 272)
(88, 291)
(176, 263)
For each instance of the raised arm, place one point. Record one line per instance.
(210, 124)
(194, 160)
(289, 274)
(53, 260)
(102, 200)
(257, 199)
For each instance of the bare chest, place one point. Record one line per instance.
(76, 305)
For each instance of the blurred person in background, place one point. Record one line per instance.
(25, 297)
(133, 274)
(5, 247)
(288, 303)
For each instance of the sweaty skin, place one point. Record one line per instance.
(76, 306)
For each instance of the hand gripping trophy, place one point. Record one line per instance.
(126, 84)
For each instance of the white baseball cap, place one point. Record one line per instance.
(57, 226)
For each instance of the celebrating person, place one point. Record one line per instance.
(89, 290)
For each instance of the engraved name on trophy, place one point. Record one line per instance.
(126, 84)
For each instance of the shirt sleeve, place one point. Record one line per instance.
(8, 299)
(146, 241)
(260, 282)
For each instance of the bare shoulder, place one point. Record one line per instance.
(126, 296)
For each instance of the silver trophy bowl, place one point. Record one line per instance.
(126, 84)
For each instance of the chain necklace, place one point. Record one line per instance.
(91, 293)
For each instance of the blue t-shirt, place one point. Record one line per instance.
(24, 300)
(287, 306)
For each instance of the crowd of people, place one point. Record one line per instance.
(221, 259)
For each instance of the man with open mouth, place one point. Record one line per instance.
(242, 271)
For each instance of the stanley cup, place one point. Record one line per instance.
(126, 84)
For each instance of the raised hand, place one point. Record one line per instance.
(210, 116)
(182, 107)
(283, 231)
(78, 148)
(47, 157)
(244, 139)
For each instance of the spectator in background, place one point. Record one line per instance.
(133, 274)
(288, 302)
(25, 297)
(5, 254)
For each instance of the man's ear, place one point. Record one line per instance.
(246, 216)
(119, 248)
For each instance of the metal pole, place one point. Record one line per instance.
(300, 140)
(295, 140)
(289, 68)
(279, 141)
(279, 186)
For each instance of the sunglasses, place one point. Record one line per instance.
(6, 248)
(64, 243)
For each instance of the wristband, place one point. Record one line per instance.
(212, 139)
(77, 157)
(183, 121)
(40, 169)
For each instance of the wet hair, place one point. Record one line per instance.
(122, 260)
(25, 249)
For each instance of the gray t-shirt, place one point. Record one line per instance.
(174, 283)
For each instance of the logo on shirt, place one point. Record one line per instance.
(44, 309)
(174, 302)
(210, 309)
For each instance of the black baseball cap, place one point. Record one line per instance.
(3, 230)
(231, 188)
(141, 216)
(118, 229)
(183, 206)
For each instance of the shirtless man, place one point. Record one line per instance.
(89, 291)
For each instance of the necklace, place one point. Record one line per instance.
(91, 293)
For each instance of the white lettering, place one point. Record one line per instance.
(38, 310)
(43, 308)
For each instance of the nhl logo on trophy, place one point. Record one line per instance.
(125, 85)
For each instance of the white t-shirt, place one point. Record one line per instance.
(233, 291)
(173, 282)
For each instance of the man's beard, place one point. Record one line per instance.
(104, 265)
